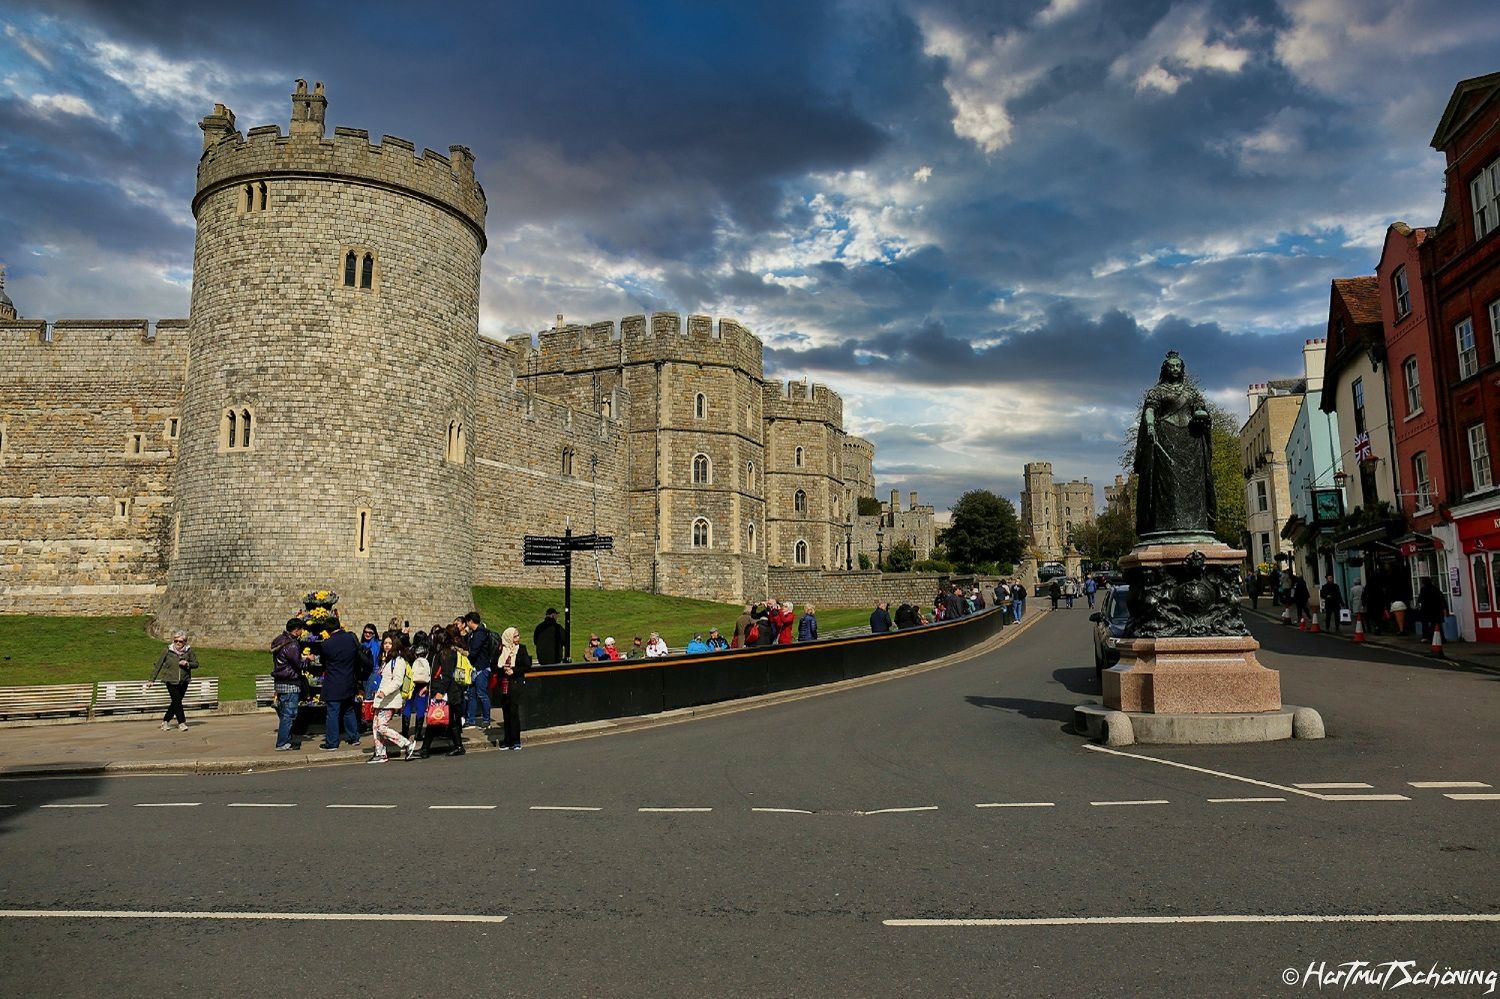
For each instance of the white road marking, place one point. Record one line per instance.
(572, 808)
(1203, 770)
(674, 809)
(1226, 801)
(76, 806)
(359, 806)
(1380, 917)
(1447, 783)
(461, 808)
(1334, 786)
(168, 804)
(1145, 801)
(1016, 804)
(1473, 797)
(331, 917)
(783, 811)
(892, 811)
(1365, 797)
(262, 804)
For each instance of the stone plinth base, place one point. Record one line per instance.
(1120, 728)
(1191, 675)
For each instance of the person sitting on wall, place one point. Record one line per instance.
(906, 616)
(637, 649)
(610, 652)
(596, 650)
(716, 641)
(880, 619)
(697, 646)
(656, 648)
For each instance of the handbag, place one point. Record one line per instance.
(367, 710)
(437, 712)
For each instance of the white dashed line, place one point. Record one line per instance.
(330, 917)
(893, 811)
(262, 804)
(1447, 783)
(1226, 801)
(1365, 797)
(76, 806)
(579, 808)
(359, 806)
(1473, 797)
(1147, 801)
(1016, 804)
(168, 804)
(460, 808)
(674, 809)
(1477, 917)
(783, 811)
(1334, 786)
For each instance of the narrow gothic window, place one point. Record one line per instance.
(701, 533)
(700, 406)
(700, 469)
(797, 457)
(800, 553)
(750, 536)
(261, 190)
(799, 502)
(245, 419)
(249, 203)
(367, 272)
(231, 421)
(350, 262)
(749, 475)
(567, 461)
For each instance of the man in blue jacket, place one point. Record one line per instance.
(477, 711)
(807, 627)
(880, 620)
(339, 653)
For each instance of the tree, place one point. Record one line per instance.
(1229, 479)
(1109, 536)
(867, 506)
(984, 529)
(901, 557)
(864, 561)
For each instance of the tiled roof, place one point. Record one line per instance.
(1362, 296)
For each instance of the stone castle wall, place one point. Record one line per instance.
(866, 588)
(88, 448)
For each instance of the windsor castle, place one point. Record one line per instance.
(329, 415)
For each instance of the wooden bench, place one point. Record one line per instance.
(115, 696)
(265, 691)
(53, 699)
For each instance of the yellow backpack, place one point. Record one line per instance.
(463, 669)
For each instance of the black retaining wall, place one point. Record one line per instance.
(574, 692)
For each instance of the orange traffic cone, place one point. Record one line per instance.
(1437, 641)
(1301, 623)
(1359, 627)
(1312, 626)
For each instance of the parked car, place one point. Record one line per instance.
(1109, 627)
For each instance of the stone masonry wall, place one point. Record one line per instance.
(865, 588)
(87, 452)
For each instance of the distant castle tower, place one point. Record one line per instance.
(7, 307)
(332, 280)
(1050, 510)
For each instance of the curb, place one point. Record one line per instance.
(563, 733)
(1413, 652)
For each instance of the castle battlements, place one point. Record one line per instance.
(264, 153)
(801, 400)
(638, 339)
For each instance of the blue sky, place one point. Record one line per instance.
(981, 222)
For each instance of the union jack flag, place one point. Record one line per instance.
(1362, 449)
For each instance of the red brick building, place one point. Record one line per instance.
(1460, 260)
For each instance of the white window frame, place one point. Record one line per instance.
(708, 533)
(1421, 483)
(1411, 374)
(1468, 358)
(1262, 497)
(1401, 292)
(1495, 326)
(1479, 457)
(1484, 192)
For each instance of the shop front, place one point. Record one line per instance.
(1479, 534)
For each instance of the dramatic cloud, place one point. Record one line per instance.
(981, 221)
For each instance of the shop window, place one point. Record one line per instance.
(1483, 598)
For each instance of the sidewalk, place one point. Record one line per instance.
(1482, 656)
(242, 743)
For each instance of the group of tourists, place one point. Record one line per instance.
(950, 603)
(1380, 606)
(437, 682)
(1068, 588)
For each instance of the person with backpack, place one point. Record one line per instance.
(452, 675)
(389, 697)
(340, 655)
(286, 680)
(483, 647)
(414, 693)
(511, 667)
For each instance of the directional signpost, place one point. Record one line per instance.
(550, 549)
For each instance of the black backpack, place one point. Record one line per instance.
(364, 661)
(491, 648)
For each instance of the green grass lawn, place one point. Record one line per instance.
(82, 649)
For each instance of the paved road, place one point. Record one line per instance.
(763, 853)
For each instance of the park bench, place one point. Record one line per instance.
(114, 696)
(265, 691)
(39, 701)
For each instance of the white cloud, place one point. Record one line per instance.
(922, 174)
(48, 105)
(1181, 44)
(27, 45)
(983, 76)
(190, 86)
(1057, 10)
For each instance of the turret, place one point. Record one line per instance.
(308, 109)
(7, 307)
(217, 125)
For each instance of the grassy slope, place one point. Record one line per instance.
(82, 649)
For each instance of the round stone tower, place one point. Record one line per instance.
(330, 389)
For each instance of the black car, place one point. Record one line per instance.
(1109, 626)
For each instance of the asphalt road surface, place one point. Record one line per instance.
(787, 850)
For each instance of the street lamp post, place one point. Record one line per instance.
(848, 545)
(879, 549)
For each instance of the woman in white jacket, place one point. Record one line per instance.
(388, 699)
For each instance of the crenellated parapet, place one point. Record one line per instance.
(639, 339)
(801, 400)
(264, 153)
